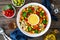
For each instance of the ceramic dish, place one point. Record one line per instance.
(7, 12)
(33, 20)
(17, 3)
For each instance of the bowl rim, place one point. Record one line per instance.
(13, 14)
(41, 33)
(18, 6)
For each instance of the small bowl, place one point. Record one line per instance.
(13, 14)
(16, 5)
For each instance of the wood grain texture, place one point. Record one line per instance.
(4, 21)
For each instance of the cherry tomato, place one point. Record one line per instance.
(8, 12)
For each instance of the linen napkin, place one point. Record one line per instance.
(18, 35)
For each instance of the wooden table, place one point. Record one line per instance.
(4, 21)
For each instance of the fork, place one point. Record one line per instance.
(4, 35)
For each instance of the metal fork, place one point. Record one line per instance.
(4, 35)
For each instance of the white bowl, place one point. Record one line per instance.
(13, 14)
(41, 33)
(17, 6)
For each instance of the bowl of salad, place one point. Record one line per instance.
(9, 11)
(33, 19)
(18, 3)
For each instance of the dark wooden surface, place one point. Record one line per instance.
(4, 21)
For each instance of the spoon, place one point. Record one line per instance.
(4, 35)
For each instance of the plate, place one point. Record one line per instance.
(47, 26)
